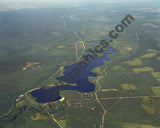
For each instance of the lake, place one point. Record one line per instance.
(45, 95)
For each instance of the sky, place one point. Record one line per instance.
(64, 1)
(18, 4)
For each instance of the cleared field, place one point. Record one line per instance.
(148, 106)
(118, 67)
(130, 125)
(135, 61)
(156, 74)
(145, 69)
(106, 90)
(61, 46)
(55, 33)
(122, 46)
(158, 80)
(156, 90)
(152, 50)
(30, 64)
(38, 116)
(63, 123)
(97, 70)
(158, 58)
(128, 87)
(149, 55)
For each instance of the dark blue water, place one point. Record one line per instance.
(44, 95)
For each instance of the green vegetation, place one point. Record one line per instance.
(127, 86)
